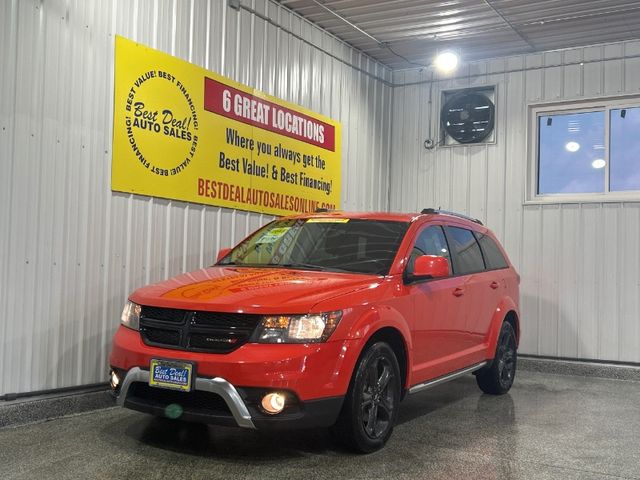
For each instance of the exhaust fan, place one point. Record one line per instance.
(468, 116)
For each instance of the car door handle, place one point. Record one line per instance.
(458, 292)
(494, 285)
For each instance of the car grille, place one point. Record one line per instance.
(199, 331)
(196, 401)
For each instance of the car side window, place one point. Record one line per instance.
(467, 257)
(431, 241)
(493, 257)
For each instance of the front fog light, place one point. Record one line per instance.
(273, 403)
(115, 380)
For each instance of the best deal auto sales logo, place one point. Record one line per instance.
(161, 123)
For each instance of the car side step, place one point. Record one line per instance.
(446, 378)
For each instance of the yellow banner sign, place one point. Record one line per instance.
(185, 133)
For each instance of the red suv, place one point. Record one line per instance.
(323, 320)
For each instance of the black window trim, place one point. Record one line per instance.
(445, 227)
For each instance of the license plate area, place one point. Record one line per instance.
(171, 374)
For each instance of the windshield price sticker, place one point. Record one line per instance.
(328, 220)
(273, 235)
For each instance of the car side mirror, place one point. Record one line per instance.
(430, 266)
(222, 253)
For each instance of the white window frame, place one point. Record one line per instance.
(546, 109)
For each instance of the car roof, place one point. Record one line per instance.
(390, 216)
(393, 217)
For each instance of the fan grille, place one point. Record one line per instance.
(468, 117)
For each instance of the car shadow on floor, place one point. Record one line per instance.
(432, 400)
(256, 448)
(222, 442)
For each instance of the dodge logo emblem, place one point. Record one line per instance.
(221, 340)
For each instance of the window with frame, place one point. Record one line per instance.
(592, 150)
(467, 255)
(431, 241)
(493, 257)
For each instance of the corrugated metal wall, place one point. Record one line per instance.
(70, 249)
(579, 262)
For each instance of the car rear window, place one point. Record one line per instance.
(493, 257)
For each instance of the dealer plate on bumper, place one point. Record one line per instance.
(171, 374)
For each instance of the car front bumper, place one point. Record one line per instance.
(227, 388)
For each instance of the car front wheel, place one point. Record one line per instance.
(371, 406)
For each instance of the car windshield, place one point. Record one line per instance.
(332, 244)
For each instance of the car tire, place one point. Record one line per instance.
(371, 405)
(497, 378)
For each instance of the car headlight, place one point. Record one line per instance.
(311, 328)
(131, 315)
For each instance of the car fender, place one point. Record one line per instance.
(505, 306)
(375, 319)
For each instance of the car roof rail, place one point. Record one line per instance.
(433, 211)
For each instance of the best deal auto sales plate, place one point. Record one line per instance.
(171, 374)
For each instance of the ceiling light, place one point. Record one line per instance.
(598, 163)
(446, 62)
(572, 146)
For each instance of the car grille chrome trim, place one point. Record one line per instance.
(215, 385)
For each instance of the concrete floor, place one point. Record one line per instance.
(548, 427)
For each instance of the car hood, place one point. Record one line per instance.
(251, 290)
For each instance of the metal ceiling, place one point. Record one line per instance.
(477, 29)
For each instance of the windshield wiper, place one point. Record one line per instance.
(307, 266)
(237, 264)
(310, 266)
(301, 266)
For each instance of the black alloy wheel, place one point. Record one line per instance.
(371, 406)
(377, 398)
(498, 378)
(506, 355)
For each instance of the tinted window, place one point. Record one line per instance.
(466, 251)
(431, 241)
(337, 244)
(492, 255)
